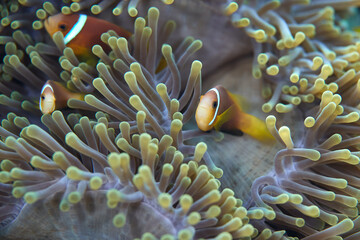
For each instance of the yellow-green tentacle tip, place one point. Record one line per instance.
(193, 218)
(153, 13)
(200, 150)
(31, 197)
(119, 220)
(75, 7)
(312, 211)
(295, 198)
(309, 122)
(214, 211)
(168, 2)
(96, 9)
(18, 192)
(132, 11)
(185, 202)
(299, 222)
(165, 200)
(255, 214)
(17, 173)
(74, 197)
(217, 172)
(285, 135)
(5, 177)
(74, 173)
(167, 237)
(95, 183)
(185, 234)
(231, 8)
(64, 205)
(224, 236)
(272, 70)
(7, 165)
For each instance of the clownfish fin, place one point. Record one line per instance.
(356, 29)
(162, 64)
(36, 104)
(84, 54)
(78, 96)
(241, 101)
(254, 127)
(92, 61)
(223, 118)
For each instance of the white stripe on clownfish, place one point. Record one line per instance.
(217, 106)
(46, 86)
(76, 29)
(42, 91)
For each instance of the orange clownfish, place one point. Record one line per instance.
(82, 32)
(222, 110)
(55, 96)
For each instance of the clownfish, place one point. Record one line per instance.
(222, 110)
(82, 32)
(55, 96)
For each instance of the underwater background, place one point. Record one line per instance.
(127, 160)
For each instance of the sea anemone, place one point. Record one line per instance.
(121, 160)
(133, 157)
(301, 49)
(150, 181)
(308, 189)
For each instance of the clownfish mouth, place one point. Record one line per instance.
(47, 106)
(202, 118)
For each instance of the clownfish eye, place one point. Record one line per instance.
(214, 104)
(62, 27)
(42, 97)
